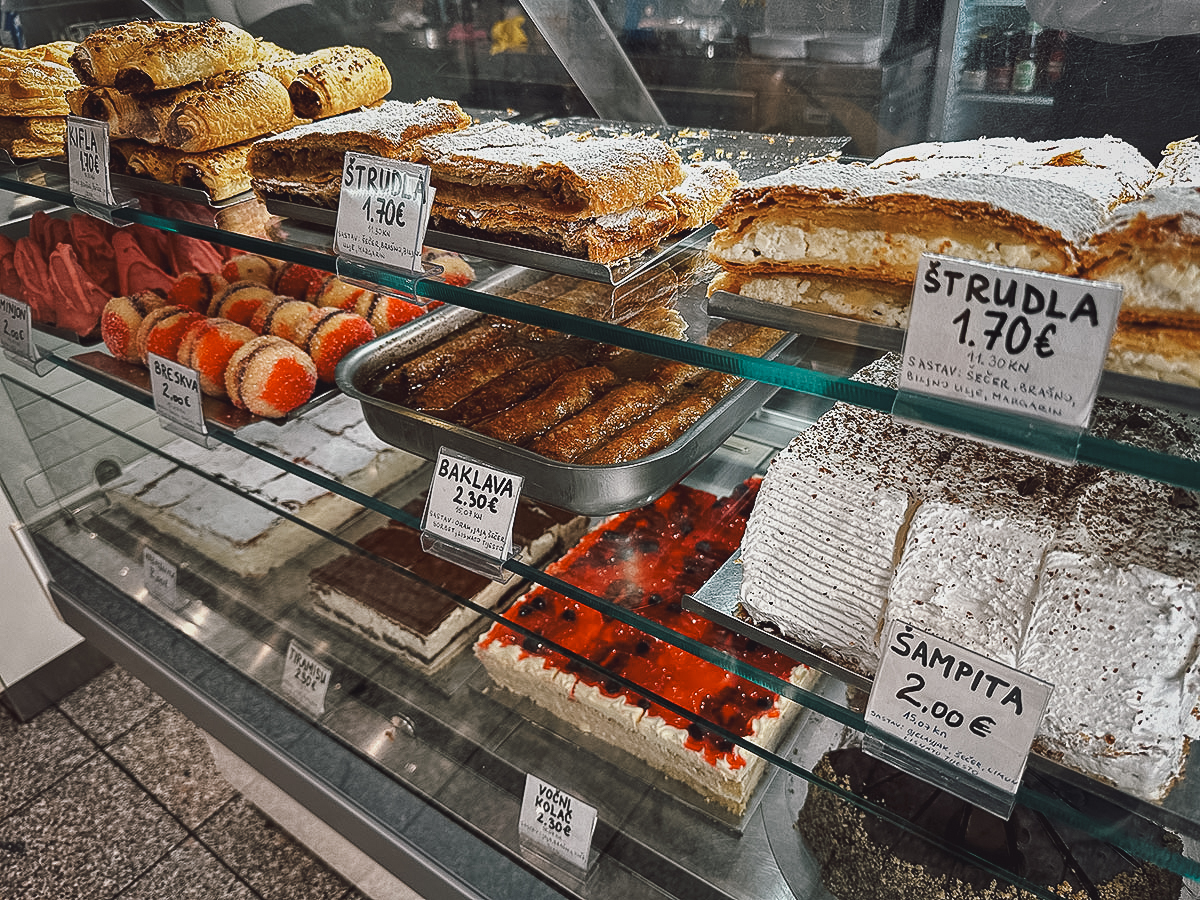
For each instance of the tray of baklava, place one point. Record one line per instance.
(591, 427)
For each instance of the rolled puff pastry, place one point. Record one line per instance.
(33, 86)
(27, 137)
(336, 80)
(221, 173)
(146, 56)
(229, 109)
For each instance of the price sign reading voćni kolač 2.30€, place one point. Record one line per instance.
(1013, 340)
(383, 211)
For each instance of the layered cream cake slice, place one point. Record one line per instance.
(646, 560)
(404, 599)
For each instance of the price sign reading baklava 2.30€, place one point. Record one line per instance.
(383, 211)
(973, 714)
(1013, 340)
(87, 160)
(472, 505)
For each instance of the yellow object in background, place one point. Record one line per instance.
(508, 35)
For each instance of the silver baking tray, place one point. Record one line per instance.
(514, 254)
(589, 490)
(58, 176)
(1113, 385)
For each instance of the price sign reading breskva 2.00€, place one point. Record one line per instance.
(972, 714)
(383, 211)
(1016, 341)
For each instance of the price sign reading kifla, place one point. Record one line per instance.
(1013, 340)
(383, 211)
(970, 713)
(87, 160)
(472, 505)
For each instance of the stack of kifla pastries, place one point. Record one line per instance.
(846, 238)
(1151, 247)
(33, 104)
(184, 101)
(603, 199)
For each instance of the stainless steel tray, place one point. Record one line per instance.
(1114, 385)
(590, 490)
(58, 177)
(513, 254)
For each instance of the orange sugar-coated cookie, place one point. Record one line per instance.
(332, 334)
(163, 329)
(239, 301)
(121, 319)
(285, 318)
(332, 291)
(270, 376)
(251, 267)
(296, 280)
(384, 311)
(195, 290)
(208, 349)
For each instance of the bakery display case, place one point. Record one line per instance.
(271, 576)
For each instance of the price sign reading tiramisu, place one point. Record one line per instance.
(472, 505)
(87, 160)
(383, 211)
(1016, 341)
(972, 715)
(556, 822)
(305, 679)
(16, 329)
(176, 392)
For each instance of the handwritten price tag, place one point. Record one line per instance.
(176, 392)
(383, 211)
(557, 822)
(160, 576)
(305, 680)
(972, 713)
(87, 160)
(1013, 340)
(472, 505)
(16, 329)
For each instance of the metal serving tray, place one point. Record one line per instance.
(590, 490)
(1114, 385)
(58, 177)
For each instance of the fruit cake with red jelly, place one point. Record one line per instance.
(646, 560)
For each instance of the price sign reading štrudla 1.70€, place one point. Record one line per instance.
(87, 160)
(176, 392)
(556, 822)
(1013, 340)
(972, 713)
(472, 505)
(383, 211)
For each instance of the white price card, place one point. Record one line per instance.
(557, 822)
(970, 712)
(87, 160)
(16, 329)
(1015, 341)
(160, 576)
(176, 392)
(472, 505)
(383, 211)
(305, 679)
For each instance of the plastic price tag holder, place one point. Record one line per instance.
(88, 171)
(469, 514)
(305, 680)
(382, 219)
(160, 576)
(952, 717)
(16, 336)
(1005, 355)
(555, 825)
(178, 401)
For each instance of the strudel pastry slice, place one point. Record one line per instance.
(138, 57)
(304, 164)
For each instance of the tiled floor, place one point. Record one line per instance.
(112, 793)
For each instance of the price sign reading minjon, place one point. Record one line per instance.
(556, 821)
(472, 505)
(1013, 340)
(972, 713)
(383, 211)
(176, 391)
(87, 160)
(16, 329)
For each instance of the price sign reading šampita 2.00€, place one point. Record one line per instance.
(383, 211)
(1015, 341)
